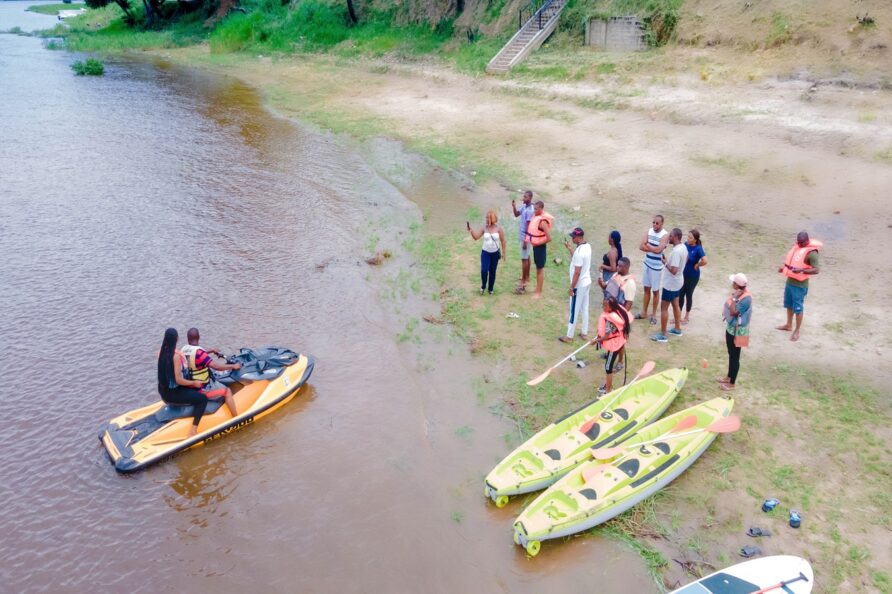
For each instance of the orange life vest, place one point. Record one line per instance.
(617, 340)
(796, 259)
(536, 236)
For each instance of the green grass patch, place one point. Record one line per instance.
(89, 67)
(779, 33)
(738, 166)
(53, 9)
(885, 155)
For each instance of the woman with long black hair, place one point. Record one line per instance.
(696, 261)
(173, 387)
(613, 332)
(607, 268)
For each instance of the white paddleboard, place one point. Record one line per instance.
(752, 576)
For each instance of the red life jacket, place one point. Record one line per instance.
(796, 259)
(536, 235)
(615, 341)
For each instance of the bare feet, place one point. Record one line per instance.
(565, 339)
(785, 328)
(537, 295)
(723, 380)
(795, 336)
(193, 431)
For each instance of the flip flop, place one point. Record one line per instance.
(750, 551)
(756, 532)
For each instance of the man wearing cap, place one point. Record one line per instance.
(580, 283)
(800, 264)
(737, 313)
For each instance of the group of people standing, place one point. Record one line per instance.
(669, 276)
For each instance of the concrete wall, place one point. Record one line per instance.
(617, 34)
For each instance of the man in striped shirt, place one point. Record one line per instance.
(655, 241)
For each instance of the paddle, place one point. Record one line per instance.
(608, 453)
(726, 425)
(781, 584)
(541, 378)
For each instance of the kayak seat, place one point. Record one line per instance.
(593, 431)
(553, 454)
(630, 467)
(589, 494)
(179, 411)
(622, 413)
(663, 447)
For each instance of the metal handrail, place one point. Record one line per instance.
(535, 9)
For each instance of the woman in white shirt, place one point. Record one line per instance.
(493, 239)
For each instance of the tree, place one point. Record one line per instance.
(351, 12)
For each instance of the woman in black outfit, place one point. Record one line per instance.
(173, 387)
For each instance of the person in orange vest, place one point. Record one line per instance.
(613, 332)
(539, 233)
(737, 313)
(800, 264)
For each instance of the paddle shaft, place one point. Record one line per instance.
(626, 387)
(544, 375)
(781, 584)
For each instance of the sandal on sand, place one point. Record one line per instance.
(639, 316)
(726, 387)
(520, 290)
(756, 532)
(750, 551)
(723, 380)
(565, 339)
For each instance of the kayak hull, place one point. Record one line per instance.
(751, 576)
(597, 491)
(144, 436)
(561, 446)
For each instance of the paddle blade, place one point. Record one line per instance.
(685, 423)
(539, 379)
(588, 425)
(726, 425)
(606, 453)
(590, 472)
(646, 369)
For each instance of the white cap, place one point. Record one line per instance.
(738, 279)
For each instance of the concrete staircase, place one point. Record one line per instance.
(528, 38)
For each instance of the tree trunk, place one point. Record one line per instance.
(351, 12)
(221, 12)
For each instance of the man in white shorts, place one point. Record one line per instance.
(655, 241)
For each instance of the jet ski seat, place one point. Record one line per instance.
(178, 411)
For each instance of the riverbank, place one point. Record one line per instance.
(749, 163)
(713, 161)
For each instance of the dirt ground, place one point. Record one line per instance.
(749, 164)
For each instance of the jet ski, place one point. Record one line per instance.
(268, 379)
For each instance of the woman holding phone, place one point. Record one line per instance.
(493, 248)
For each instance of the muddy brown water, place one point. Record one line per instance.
(157, 196)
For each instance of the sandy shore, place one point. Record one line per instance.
(749, 165)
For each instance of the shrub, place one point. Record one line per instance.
(89, 67)
(96, 3)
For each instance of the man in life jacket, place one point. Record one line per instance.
(200, 363)
(539, 234)
(800, 264)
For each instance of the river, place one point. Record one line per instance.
(159, 196)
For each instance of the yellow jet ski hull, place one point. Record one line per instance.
(156, 432)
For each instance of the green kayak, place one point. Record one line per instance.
(597, 490)
(563, 445)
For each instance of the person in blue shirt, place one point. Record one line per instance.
(525, 212)
(696, 261)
